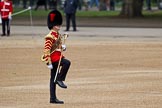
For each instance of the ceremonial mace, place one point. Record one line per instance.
(64, 37)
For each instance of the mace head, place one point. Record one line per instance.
(65, 35)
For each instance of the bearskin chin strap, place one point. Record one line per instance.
(44, 59)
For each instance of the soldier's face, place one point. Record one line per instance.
(57, 27)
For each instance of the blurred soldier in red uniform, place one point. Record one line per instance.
(6, 11)
(52, 54)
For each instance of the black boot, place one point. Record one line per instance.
(61, 84)
(3, 35)
(8, 32)
(56, 101)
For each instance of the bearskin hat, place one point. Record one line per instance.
(54, 18)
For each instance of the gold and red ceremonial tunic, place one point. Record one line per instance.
(5, 9)
(52, 49)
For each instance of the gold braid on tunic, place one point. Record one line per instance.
(52, 43)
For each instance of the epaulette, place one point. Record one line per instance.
(52, 35)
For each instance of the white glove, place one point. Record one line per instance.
(64, 47)
(50, 66)
(10, 17)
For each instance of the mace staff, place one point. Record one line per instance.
(65, 36)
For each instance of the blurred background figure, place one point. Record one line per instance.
(6, 10)
(86, 4)
(31, 3)
(41, 3)
(70, 8)
(16, 2)
(148, 4)
(92, 2)
(160, 4)
(103, 5)
(112, 5)
(53, 4)
(80, 3)
(24, 4)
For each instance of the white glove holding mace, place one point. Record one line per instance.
(50, 66)
(64, 47)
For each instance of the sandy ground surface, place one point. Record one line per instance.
(111, 68)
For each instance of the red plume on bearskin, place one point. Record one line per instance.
(52, 17)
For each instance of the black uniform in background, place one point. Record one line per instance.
(70, 7)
